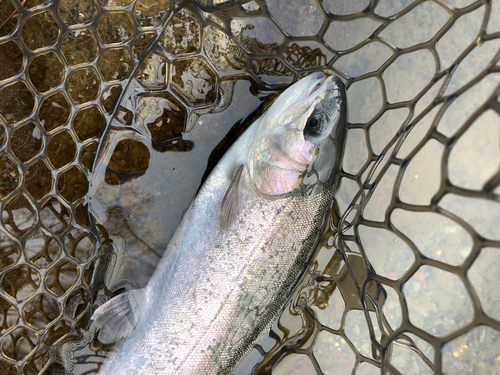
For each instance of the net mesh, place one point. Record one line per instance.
(404, 279)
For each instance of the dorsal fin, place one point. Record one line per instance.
(120, 315)
(229, 206)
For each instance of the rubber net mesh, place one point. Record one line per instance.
(405, 279)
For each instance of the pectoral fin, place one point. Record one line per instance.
(229, 207)
(119, 316)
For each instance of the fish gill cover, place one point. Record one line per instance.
(405, 279)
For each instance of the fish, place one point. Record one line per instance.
(241, 246)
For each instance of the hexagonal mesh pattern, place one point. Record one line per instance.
(404, 280)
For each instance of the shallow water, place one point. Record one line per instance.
(404, 280)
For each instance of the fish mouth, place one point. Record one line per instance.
(318, 87)
(320, 80)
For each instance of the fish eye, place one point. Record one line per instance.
(315, 124)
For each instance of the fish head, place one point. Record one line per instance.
(297, 144)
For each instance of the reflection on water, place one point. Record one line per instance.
(404, 277)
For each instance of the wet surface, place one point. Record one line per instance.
(404, 278)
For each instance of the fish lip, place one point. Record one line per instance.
(317, 81)
(330, 87)
(332, 82)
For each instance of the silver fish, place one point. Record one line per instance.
(241, 246)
